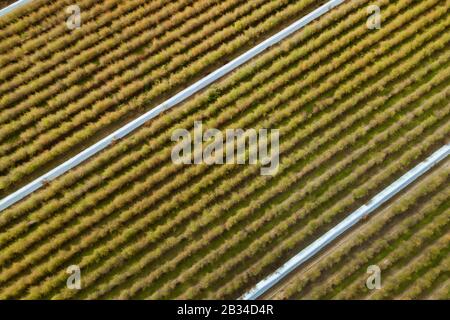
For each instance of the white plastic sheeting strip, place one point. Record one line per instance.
(347, 223)
(176, 99)
(13, 6)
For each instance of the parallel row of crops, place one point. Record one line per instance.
(61, 89)
(355, 109)
(409, 242)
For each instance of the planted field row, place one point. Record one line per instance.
(354, 115)
(125, 58)
(5, 3)
(408, 241)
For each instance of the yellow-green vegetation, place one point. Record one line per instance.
(409, 241)
(355, 107)
(61, 89)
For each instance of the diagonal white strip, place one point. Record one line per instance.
(381, 198)
(13, 6)
(176, 99)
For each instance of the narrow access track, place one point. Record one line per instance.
(173, 101)
(13, 6)
(377, 201)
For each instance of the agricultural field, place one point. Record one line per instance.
(62, 89)
(356, 108)
(5, 3)
(409, 241)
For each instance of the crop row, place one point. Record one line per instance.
(168, 149)
(370, 105)
(240, 281)
(64, 125)
(157, 134)
(52, 32)
(358, 250)
(140, 170)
